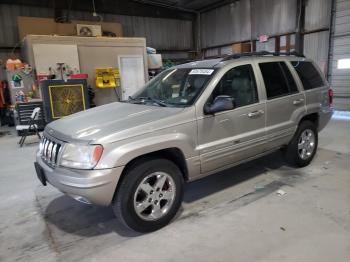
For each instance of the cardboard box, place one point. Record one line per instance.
(241, 48)
(35, 26)
(48, 26)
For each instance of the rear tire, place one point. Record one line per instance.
(302, 148)
(149, 195)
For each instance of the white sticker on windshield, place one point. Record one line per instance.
(201, 71)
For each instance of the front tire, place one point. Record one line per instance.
(149, 195)
(302, 149)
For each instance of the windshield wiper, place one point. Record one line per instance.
(147, 98)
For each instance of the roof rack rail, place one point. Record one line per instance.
(261, 53)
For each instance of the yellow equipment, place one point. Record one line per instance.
(107, 77)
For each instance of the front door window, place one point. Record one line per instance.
(238, 83)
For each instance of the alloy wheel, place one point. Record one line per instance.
(306, 144)
(154, 196)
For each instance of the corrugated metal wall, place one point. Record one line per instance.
(273, 17)
(160, 33)
(226, 24)
(317, 14)
(316, 48)
(8, 21)
(340, 49)
(232, 23)
(316, 45)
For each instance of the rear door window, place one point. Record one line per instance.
(278, 79)
(289, 78)
(308, 74)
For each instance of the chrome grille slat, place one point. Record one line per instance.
(45, 148)
(50, 151)
(53, 154)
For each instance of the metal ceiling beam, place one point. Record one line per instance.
(163, 5)
(120, 7)
(216, 4)
(300, 27)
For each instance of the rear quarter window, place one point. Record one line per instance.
(308, 74)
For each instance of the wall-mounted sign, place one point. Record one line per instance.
(263, 38)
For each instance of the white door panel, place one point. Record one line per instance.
(132, 74)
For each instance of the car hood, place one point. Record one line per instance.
(111, 122)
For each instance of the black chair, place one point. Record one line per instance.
(31, 128)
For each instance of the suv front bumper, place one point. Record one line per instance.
(88, 186)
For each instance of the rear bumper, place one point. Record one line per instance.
(88, 186)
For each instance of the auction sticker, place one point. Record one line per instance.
(201, 71)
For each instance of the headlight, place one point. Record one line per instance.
(80, 156)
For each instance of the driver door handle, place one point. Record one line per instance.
(255, 113)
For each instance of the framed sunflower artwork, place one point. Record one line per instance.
(63, 98)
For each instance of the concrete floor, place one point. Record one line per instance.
(235, 215)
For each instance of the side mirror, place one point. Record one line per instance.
(221, 103)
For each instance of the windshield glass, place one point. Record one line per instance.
(174, 87)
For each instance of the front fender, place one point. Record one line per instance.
(122, 152)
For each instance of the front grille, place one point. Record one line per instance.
(49, 151)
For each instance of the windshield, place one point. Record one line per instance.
(174, 87)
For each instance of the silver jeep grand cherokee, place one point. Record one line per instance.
(190, 121)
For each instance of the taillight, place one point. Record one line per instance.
(330, 96)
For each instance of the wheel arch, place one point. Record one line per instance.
(173, 154)
(313, 117)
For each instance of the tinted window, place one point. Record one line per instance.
(278, 79)
(308, 74)
(290, 80)
(239, 83)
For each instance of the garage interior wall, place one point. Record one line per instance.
(226, 24)
(340, 49)
(172, 37)
(234, 23)
(316, 48)
(239, 21)
(317, 20)
(245, 20)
